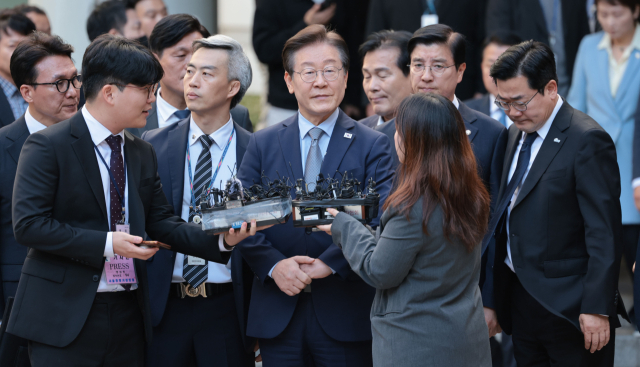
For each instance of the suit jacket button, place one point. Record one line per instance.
(96, 278)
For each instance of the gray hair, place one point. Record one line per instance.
(239, 65)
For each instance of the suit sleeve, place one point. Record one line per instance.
(577, 97)
(183, 237)
(34, 196)
(378, 166)
(498, 16)
(269, 36)
(258, 252)
(598, 193)
(380, 264)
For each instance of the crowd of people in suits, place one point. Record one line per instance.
(503, 148)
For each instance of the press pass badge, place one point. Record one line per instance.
(192, 260)
(119, 269)
(429, 19)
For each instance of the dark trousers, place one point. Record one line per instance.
(541, 338)
(199, 331)
(13, 349)
(112, 336)
(303, 343)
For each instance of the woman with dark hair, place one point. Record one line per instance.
(426, 264)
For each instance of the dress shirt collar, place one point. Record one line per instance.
(605, 44)
(220, 137)
(32, 124)
(380, 121)
(456, 102)
(98, 132)
(327, 125)
(165, 110)
(544, 130)
(7, 87)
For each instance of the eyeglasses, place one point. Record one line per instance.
(62, 85)
(309, 75)
(151, 89)
(437, 69)
(517, 105)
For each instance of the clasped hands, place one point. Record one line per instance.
(292, 275)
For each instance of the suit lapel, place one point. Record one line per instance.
(84, 149)
(134, 162)
(289, 138)
(469, 117)
(242, 140)
(18, 135)
(512, 146)
(633, 65)
(550, 147)
(152, 119)
(338, 144)
(177, 144)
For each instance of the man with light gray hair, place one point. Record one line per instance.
(198, 315)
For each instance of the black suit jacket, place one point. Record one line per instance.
(526, 19)
(239, 113)
(389, 129)
(59, 212)
(565, 226)
(463, 16)
(12, 255)
(170, 143)
(6, 114)
(480, 104)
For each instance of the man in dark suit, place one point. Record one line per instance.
(437, 56)
(114, 17)
(171, 43)
(464, 16)
(560, 24)
(327, 324)
(219, 320)
(557, 222)
(41, 65)
(78, 208)
(492, 48)
(14, 28)
(385, 65)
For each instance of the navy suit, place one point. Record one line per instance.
(170, 144)
(342, 301)
(371, 121)
(389, 129)
(6, 114)
(480, 104)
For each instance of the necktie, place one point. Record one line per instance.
(197, 274)
(116, 165)
(314, 159)
(514, 183)
(182, 114)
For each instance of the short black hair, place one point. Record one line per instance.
(116, 60)
(17, 22)
(501, 38)
(389, 39)
(111, 14)
(173, 28)
(31, 51)
(26, 9)
(531, 59)
(443, 35)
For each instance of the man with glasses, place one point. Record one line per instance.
(307, 307)
(42, 68)
(437, 55)
(557, 222)
(85, 193)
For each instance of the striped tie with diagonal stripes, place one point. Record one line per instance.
(197, 274)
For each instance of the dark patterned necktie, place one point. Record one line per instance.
(197, 274)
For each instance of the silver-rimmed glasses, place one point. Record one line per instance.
(309, 75)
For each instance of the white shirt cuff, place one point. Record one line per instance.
(635, 183)
(108, 247)
(221, 244)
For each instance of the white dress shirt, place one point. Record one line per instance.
(496, 112)
(33, 125)
(98, 134)
(535, 148)
(218, 273)
(456, 102)
(165, 111)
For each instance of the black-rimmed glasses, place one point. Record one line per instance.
(520, 106)
(151, 89)
(62, 85)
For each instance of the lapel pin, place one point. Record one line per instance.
(468, 132)
(347, 135)
(556, 140)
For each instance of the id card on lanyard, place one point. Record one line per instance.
(119, 269)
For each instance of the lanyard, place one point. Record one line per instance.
(113, 180)
(431, 7)
(193, 197)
